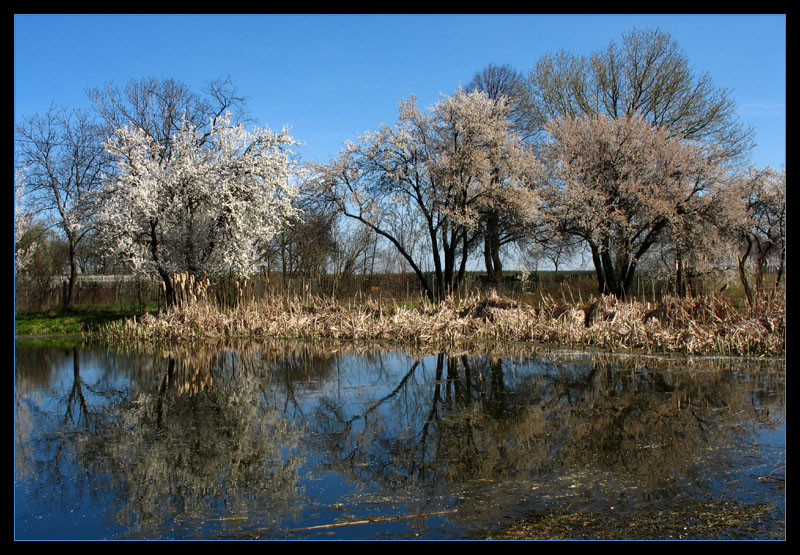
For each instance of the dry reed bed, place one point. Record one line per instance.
(699, 326)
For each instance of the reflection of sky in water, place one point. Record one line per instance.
(73, 518)
(361, 409)
(776, 438)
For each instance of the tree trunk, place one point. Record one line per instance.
(598, 268)
(611, 279)
(748, 291)
(73, 276)
(780, 273)
(491, 249)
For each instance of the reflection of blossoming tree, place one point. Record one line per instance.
(608, 419)
(194, 432)
(208, 434)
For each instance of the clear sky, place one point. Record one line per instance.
(332, 77)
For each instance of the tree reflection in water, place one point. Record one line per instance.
(480, 417)
(192, 436)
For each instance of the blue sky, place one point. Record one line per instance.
(332, 77)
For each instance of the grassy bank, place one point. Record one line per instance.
(701, 326)
(65, 323)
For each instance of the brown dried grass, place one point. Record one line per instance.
(698, 326)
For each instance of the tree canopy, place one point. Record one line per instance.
(437, 171)
(646, 74)
(621, 185)
(205, 207)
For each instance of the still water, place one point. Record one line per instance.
(307, 441)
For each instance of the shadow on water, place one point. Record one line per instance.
(313, 441)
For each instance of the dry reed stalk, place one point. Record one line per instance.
(707, 325)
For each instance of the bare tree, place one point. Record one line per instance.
(556, 248)
(646, 74)
(761, 228)
(304, 245)
(353, 245)
(62, 158)
(158, 107)
(506, 83)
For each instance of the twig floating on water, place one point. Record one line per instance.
(368, 521)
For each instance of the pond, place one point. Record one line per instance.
(320, 441)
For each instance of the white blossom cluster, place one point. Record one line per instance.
(204, 203)
(479, 158)
(440, 171)
(451, 163)
(23, 255)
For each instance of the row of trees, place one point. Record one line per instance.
(161, 179)
(626, 155)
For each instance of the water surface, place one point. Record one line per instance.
(306, 441)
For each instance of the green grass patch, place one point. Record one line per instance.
(64, 323)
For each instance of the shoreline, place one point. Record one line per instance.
(702, 326)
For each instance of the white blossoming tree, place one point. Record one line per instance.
(503, 84)
(23, 254)
(205, 205)
(440, 171)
